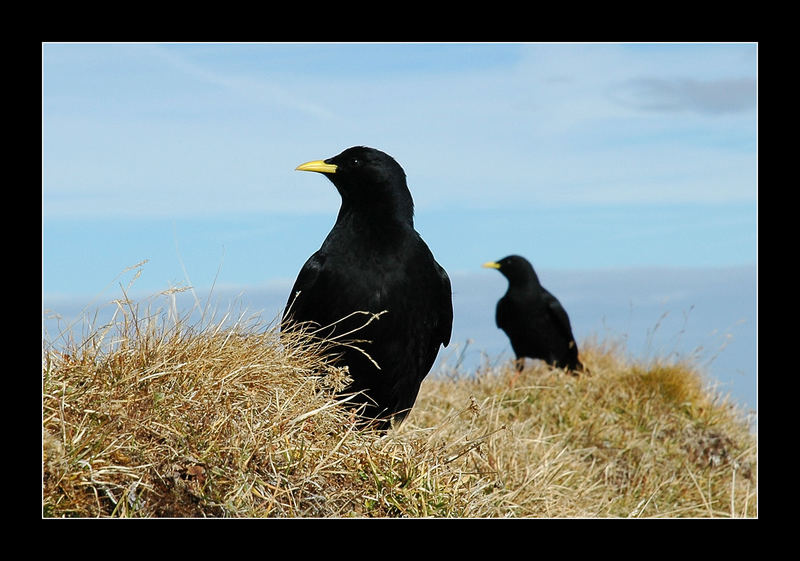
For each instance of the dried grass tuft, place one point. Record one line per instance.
(152, 416)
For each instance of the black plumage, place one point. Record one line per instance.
(373, 260)
(534, 320)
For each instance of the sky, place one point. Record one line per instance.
(180, 158)
(579, 156)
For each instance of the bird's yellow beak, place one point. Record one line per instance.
(318, 166)
(491, 265)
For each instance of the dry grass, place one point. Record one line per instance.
(153, 417)
(626, 441)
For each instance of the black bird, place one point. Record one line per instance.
(373, 260)
(534, 320)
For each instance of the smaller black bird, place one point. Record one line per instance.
(534, 320)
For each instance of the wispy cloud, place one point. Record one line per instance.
(258, 90)
(733, 95)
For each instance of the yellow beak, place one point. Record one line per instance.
(491, 265)
(318, 166)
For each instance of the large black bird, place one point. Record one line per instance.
(534, 320)
(373, 260)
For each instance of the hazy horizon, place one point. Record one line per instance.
(706, 314)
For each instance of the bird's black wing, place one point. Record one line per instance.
(558, 314)
(302, 298)
(445, 299)
(503, 312)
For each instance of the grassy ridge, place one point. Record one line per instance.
(153, 417)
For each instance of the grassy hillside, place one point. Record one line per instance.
(152, 416)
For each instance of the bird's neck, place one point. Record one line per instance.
(528, 284)
(375, 216)
(358, 232)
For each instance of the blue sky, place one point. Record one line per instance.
(579, 156)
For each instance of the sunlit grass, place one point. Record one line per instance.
(156, 415)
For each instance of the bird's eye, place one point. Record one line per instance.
(355, 162)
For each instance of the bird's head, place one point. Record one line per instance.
(514, 268)
(367, 179)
